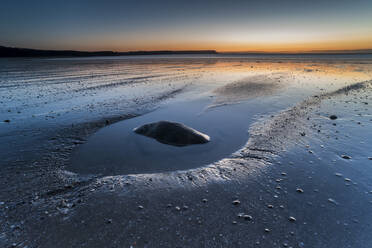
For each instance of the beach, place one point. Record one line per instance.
(289, 162)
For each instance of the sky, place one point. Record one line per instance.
(225, 26)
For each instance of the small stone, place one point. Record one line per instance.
(247, 217)
(345, 156)
(177, 208)
(333, 117)
(300, 190)
(108, 221)
(332, 201)
(338, 174)
(267, 230)
(292, 219)
(234, 222)
(284, 174)
(204, 200)
(236, 202)
(270, 206)
(7, 121)
(369, 158)
(185, 207)
(140, 207)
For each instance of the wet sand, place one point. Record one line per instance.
(288, 186)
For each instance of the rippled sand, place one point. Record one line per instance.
(287, 174)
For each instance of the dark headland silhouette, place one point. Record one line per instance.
(26, 52)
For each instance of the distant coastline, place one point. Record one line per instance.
(26, 52)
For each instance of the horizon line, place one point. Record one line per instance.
(180, 51)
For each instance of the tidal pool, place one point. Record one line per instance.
(116, 149)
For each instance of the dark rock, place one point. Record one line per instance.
(332, 201)
(333, 117)
(247, 217)
(172, 133)
(345, 156)
(236, 202)
(292, 219)
(300, 190)
(7, 121)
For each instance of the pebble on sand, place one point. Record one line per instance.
(236, 202)
(332, 201)
(247, 217)
(300, 190)
(292, 219)
(333, 117)
(345, 156)
(7, 121)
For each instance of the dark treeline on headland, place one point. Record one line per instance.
(25, 52)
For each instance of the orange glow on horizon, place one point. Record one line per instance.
(146, 43)
(247, 47)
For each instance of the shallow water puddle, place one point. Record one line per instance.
(116, 149)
